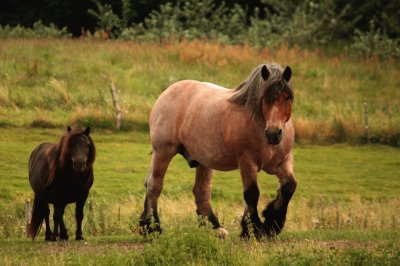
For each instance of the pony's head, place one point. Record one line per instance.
(268, 97)
(77, 147)
(277, 104)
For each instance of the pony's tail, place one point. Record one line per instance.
(39, 210)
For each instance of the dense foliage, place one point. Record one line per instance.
(368, 27)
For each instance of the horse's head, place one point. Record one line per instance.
(277, 104)
(80, 148)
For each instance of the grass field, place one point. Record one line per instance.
(346, 207)
(345, 210)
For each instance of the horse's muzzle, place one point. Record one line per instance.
(274, 137)
(79, 166)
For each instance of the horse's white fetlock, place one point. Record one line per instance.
(221, 232)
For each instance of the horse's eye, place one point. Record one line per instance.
(88, 145)
(288, 98)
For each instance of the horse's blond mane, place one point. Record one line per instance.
(250, 92)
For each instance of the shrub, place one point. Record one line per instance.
(39, 30)
(375, 43)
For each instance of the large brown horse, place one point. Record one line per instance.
(61, 173)
(249, 128)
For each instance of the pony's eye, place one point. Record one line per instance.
(288, 98)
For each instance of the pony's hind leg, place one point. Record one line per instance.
(149, 221)
(275, 212)
(48, 233)
(202, 193)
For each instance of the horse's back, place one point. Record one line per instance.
(178, 103)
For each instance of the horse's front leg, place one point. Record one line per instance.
(275, 212)
(202, 193)
(80, 203)
(251, 222)
(58, 217)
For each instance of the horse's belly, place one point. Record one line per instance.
(213, 157)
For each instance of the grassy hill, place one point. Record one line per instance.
(52, 83)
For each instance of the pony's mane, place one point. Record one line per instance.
(58, 154)
(251, 92)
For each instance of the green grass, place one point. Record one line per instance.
(194, 246)
(345, 209)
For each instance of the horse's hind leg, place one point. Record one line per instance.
(202, 193)
(275, 212)
(149, 220)
(48, 233)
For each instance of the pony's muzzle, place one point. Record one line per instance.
(79, 166)
(274, 137)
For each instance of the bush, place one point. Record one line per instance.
(375, 43)
(39, 30)
(191, 20)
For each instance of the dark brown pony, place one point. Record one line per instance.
(248, 128)
(59, 174)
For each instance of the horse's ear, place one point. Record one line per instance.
(264, 72)
(87, 131)
(68, 128)
(287, 74)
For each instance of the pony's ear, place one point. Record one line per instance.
(87, 131)
(264, 72)
(287, 74)
(68, 128)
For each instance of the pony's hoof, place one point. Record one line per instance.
(221, 232)
(64, 237)
(48, 237)
(79, 238)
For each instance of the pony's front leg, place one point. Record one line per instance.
(202, 193)
(275, 212)
(80, 203)
(59, 221)
(251, 223)
(149, 221)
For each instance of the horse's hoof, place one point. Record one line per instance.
(64, 237)
(79, 238)
(147, 227)
(48, 237)
(144, 231)
(274, 220)
(221, 232)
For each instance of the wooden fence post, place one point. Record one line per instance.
(366, 122)
(27, 216)
(116, 105)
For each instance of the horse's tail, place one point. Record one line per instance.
(39, 211)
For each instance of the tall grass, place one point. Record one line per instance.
(68, 80)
